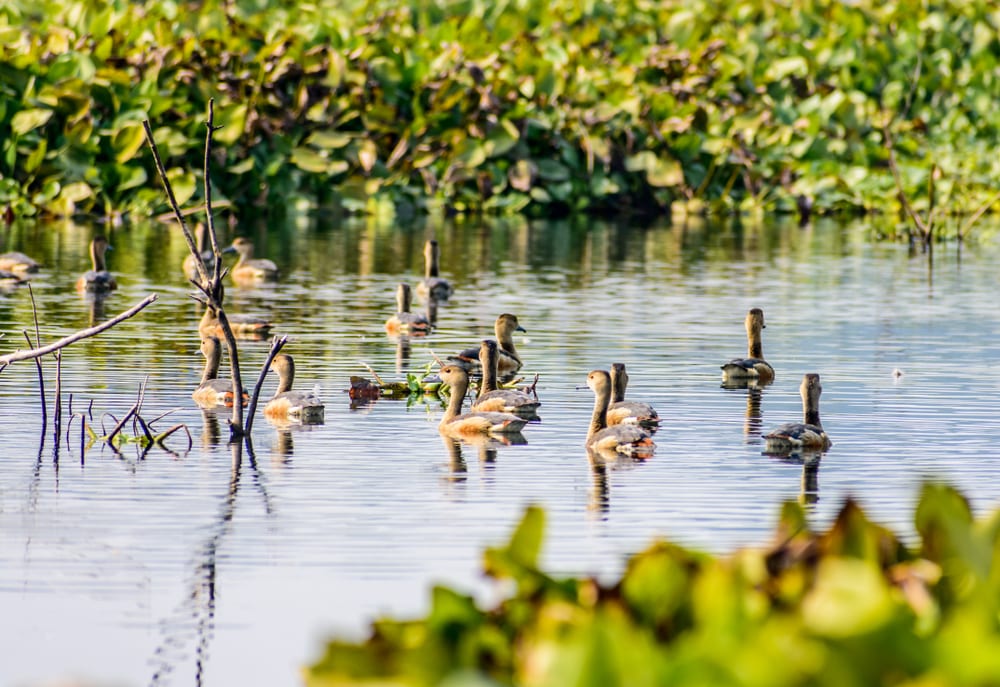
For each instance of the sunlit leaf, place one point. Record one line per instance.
(29, 120)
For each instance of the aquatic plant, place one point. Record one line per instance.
(851, 605)
(542, 106)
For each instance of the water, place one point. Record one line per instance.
(205, 567)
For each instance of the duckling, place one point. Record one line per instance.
(214, 391)
(631, 440)
(97, 279)
(204, 252)
(304, 406)
(809, 433)
(455, 423)
(622, 412)
(432, 285)
(18, 263)
(244, 326)
(753, 367)
(508, 361)
(500, 400)
(404, 321)
(249, 269)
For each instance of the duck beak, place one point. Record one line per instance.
(521, 329)
(228, 249)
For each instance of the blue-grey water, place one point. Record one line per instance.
(217, 568)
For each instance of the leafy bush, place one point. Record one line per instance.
(478, 105)
(850, 606)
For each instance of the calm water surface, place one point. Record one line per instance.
(215, 567)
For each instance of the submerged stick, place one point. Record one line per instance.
(38, 361)
(16, 356)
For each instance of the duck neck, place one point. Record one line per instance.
(403, 300)
(755, 348)
(212, 359)
(505, 340)
(431, 262)
(97, 257)
(454, 409)
(286, 375)
(619, 382)
(810, 415)
(488, 361)
(599, 420)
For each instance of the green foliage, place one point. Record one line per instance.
(476, 105)
(850, 606)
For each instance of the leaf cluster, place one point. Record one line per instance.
(474, 105)
(852, 605)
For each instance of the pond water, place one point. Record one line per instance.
(215, 567)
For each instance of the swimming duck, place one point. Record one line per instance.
(404, 321)
(204, 251)
(97, 279)
(301, 405)
(622, 412)
(500, 400)
(631, 440)
(214, 391)
(455, 423)
(809, 433)
(18, 263)
(508, 361)
(249, 269)
(432, 285)
(244, 326)
(753, 367)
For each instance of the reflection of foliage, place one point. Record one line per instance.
(548, 104)
(853, 605)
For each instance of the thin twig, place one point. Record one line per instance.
(57, 415)
(16, 356)
(917, 220)
(38, 361)
(276, 344)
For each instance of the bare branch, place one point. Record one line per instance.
(276, 345)
(73, 338)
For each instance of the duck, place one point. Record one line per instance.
(247, 327)
(214, 391)
(97, 279)
(249, 269)
(628, 412)
(19, 263)
(433, 286)
(190, 265)
(491, 398)
(753, 367)
(404, 321)
(809, 433)
(508, 361)
(305, 406)
(455, 423)
(630, 440)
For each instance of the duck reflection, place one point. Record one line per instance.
(753, 421)
(602, 462)
(95, 306)
(211, 434)
(810, 461)
(487, 448)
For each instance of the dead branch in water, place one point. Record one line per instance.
(209, 285)
(16, 356)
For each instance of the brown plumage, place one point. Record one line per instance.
(753, 367)
(249, 269)
(304, 406)
(809, 433)
(622, 412)
(628, 439)
(492, 399)
(98, 278)
(508, 361)
(433, 286)
(404, 321)
(455, 423)
(214, 391)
